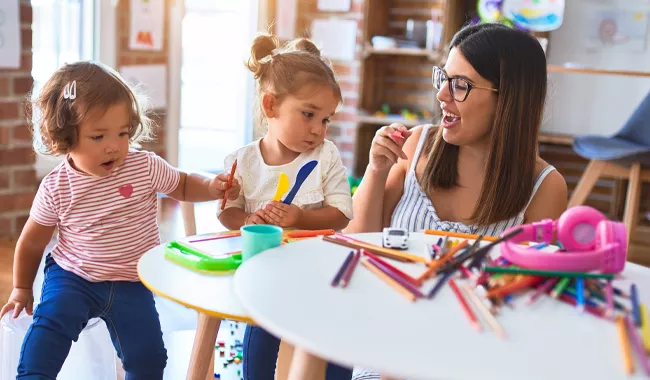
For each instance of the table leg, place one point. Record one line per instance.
(306, 366)
(285, 355)
(203, 349)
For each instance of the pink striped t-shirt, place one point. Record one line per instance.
(105, 223)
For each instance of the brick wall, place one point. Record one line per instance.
(127, 57)
(343, 130)
(17, 174)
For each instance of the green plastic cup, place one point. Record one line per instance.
(257, 238)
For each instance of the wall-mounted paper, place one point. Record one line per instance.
(285, 19)
(334, 5)
(9, 34)
(150, 80)
(337, 38)
(147, 29)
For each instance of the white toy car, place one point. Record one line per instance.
(395, 238)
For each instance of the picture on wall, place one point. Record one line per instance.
(615, 30)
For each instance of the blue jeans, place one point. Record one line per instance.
(261, 354)
(68, 302)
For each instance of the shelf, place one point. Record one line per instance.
(414, 52)
(555, 138)
(587, 70)
(377, 120)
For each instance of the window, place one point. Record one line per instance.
(62, 31)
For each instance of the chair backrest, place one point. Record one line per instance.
(637, 127)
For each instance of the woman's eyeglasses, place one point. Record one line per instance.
(458, 87)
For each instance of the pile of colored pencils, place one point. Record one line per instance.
(488, 285)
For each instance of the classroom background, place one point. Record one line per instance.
(189, 54)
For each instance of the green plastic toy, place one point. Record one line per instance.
(198, 260)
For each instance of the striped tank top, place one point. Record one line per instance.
(415, 212)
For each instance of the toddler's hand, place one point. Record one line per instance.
(255, 218)
(219, 187)
(18, 300)
(283, 215)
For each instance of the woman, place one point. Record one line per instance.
(479, 172)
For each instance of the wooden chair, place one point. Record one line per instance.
(624, 156)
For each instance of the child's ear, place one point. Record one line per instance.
(269, 105)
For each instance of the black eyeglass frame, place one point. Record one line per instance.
(451, 80)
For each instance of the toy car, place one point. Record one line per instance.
(396, 238)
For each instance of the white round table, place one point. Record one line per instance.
(211, 295)
(287, 291)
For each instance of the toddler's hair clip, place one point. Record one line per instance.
(70, 90)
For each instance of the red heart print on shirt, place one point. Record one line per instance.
(126, 190)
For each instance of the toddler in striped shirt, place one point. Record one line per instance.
(102, 197)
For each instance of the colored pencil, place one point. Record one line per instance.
(564, 297)
(436, 264)
(548, 284)
(377, 250)
(545, 273)
(222, 235)
(441, 282)
(645, 328)
(580, 293)
(392, 283)
(410, 287)
(628, 363)
(347, 275)
(610, 299)
(466, 308)
(397, 271)
(459, 235)
(636, 314)
(637, 345)
(341, 270)
(308, 233)
(559, 288)
(229, 184)
(513, 287)
(487, 315)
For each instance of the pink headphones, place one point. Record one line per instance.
(592, 243)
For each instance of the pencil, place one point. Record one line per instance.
(441, 282)
(645, 328)
(309, 233)
(392, 283)
(397, 271)
(610, 299)
(548, 284)
(637, 345)
(559, 288)
(513, 287)
(546, 273)
(435, 265)
(625, 346)
(407, 285)
(580, 293)
(339, 273)
(565, 297)
(347, 275)
(229, 185)
(636, 314)
(377, 250)
(459, 235)
(489, 318)
(468, 310)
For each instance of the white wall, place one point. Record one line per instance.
(581, 104)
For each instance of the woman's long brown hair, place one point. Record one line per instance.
(516, 64)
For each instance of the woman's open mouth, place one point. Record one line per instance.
(449, 119)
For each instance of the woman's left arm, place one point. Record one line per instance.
(550, 200)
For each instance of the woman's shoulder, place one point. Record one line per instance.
(551, 198)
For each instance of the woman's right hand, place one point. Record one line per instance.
(19, 299)
(386, 147)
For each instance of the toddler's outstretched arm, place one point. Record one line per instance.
(29, 251)
(197, 188)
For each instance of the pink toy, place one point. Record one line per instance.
(592, 243)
